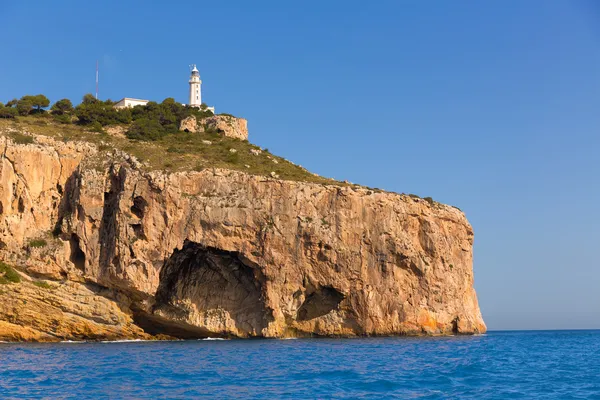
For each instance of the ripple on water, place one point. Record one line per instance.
(497, 365)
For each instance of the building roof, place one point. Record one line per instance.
(131, 98)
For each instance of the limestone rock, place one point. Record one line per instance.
(190, 124)
(116, 130)
(228, 126)
(137, 254)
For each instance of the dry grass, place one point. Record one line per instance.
(175, 152)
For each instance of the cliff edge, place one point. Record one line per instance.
(107, 249)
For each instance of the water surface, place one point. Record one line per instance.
(499, 365)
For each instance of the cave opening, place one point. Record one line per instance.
(320, 302)
(455, 330)
(139, 206)
(77, 255)
(205, 291)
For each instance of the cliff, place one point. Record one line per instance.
(108, 247)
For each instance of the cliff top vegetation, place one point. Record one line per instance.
(150, 133)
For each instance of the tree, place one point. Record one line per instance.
(40, 101)
(24, 106)
(12, 103)
(89, 99)
(92, 110)
(62, 106)
(8, 112)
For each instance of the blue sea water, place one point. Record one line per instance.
(498, 365)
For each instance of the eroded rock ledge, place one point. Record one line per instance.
(133, 254)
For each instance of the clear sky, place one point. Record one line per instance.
(492, 106)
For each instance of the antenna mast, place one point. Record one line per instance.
(96, 79)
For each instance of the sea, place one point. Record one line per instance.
(497, 365)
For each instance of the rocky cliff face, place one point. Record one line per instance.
(225, 125)
(134, 254)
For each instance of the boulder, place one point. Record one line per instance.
(190, 124)
(227, 126)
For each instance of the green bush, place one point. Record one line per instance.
(96, 127)
(8, 112)
(155, 120)
(146, 129)
(62, 107)
(62, 118)
(43, 285)
(8, 274)
(24, 107)
(37, 243)
(19, 138)
(104, 113)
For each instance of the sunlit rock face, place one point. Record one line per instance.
(221, 253)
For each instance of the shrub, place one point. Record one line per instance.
(146, 129)
(8, 112)
(429, 200)
(233, 158)
(37, 243)
(96, 127)
(24, 107)
(91, 111)
(8, 274)
(19, 138)
(43, 285)
(62, 106)
(63, 118)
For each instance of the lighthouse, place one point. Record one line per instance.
(195, 88)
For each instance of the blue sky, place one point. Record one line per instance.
(490, 106)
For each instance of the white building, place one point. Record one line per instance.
(196, 89)
(195, 94)
(129, 102)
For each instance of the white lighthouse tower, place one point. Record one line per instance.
(195, 88)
